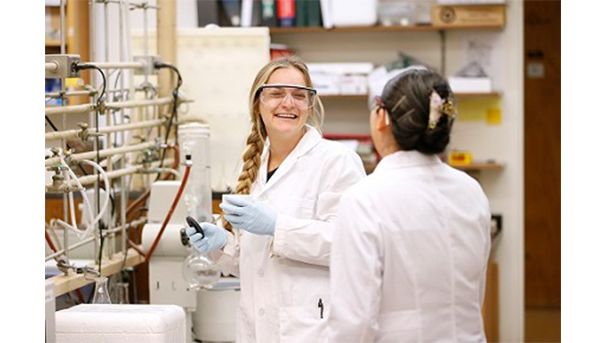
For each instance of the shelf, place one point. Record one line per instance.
(478, 95)
(421, 28)
(369, 167)
(343, 96)
(365, 96)
(50, 42)
(478, 166)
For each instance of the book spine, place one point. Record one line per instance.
(286, 13)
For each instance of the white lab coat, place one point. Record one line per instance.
(409, 255)
(283, 277)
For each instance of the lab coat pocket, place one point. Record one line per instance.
(301, 324)
(400, 326)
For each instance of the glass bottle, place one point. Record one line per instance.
(101, 292)
(122, 292)
(199, 272)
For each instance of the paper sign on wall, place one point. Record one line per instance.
(493, 116)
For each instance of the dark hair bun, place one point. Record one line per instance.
(406, 98)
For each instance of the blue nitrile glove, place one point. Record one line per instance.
(214, 238)
(252, 216)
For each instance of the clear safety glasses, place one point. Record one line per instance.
(272, 95)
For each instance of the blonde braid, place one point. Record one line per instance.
(252, 164)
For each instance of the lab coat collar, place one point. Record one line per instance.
(310, 139)
(405, 159)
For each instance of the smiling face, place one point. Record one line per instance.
(285, 118)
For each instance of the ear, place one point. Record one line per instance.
(383, 122)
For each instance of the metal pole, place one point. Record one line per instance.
(118, 65)
(102, 153)
(50, 136)
(123, 194)
(443, 52)
(63, 32)
(90, 239)
(87, 180)
(63, 143)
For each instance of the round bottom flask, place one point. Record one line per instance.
(199, 272)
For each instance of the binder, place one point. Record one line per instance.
(256, 14)
(301, 17)
(268, 13)
(251, 13)
(286, 13)
(314, 15)
(231, 13)
(247, 9)
(208, 12)
(325, 6)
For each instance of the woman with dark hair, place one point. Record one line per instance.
(409, 256)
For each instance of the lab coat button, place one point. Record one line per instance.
(261, 312)
(263, 197)
(261, 273)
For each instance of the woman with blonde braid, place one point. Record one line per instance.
(296, 179)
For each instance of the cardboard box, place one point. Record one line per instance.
(468, 16)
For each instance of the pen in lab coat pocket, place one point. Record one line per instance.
(321, 306)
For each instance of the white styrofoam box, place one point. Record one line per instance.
(161, 199)
(358, 13)
(470, 84)
(105, 323)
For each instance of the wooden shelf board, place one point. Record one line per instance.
(49, 42)
(376, 28)
(479, 95)
(344, 96)
(478, 166)
(365, 96)
(71, 282)
(470, 167)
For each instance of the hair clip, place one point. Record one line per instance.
(435, 109)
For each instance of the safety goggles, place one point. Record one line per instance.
(273, 95)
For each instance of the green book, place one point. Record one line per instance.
(268, 13)
(301, 13)
(314, 15)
